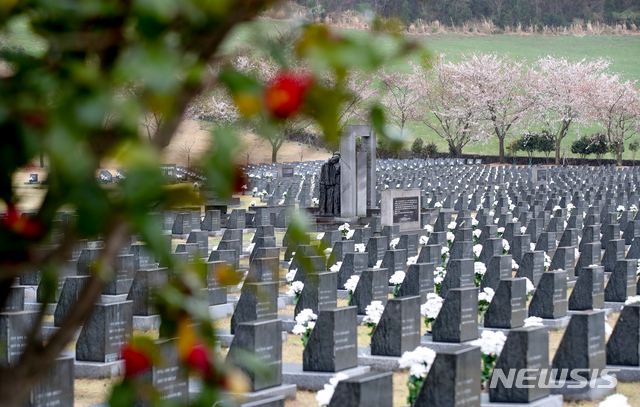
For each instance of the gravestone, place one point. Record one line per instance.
(217, 293)
(410, 243)
(458, 318)
(564, 259)
(430, 254)
(106, 330)
(460, 274)
(499, 268)
(614, 251)
(257, 302)
(264, 270)
(401, 207)
(308, 265)
(55, 387)
(202, 238)
(588, 292)
(372, 286)
(623, 347)
(376, 247)
(394, 260)
(399, 328)
(211, 221)
(237, 219)
(549, 301)
(264, 340)
(14, 331)
(374, 389)
(71, 291)
(319, 292)
(332, 345)
(589, 255)
(352, 264)
(169, 376)
(508, 309)
(340, 248)
(525, 349)
(418, 281)
(124, 274)
(532, 266)
(582, 346)
(622, 283)
(145, 284)
(453, 379)
(181, 224)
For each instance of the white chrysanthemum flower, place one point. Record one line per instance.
(514, 265)
(374, 312)
(320, 236)
(474, 222)
(350, 234)
(428, 228)
(305, 316)
(323, 397)
(328, 251)
(250, 247)
(477, 249)
(378, 264)
(344, 226)
(514, 220)
(523, 230)
(397, 277)
(608, 330)
(452, 225)
(479, 268)
(394, 243)
(496, 220)
(530, 286)
(632, 300)
(556, 208)
(491, 342)
(412, 260)
(533, 321)
(620, 208)
(547, 261)
(360, 247)
(451, 237)
(423, 240)
(615, 400)
(500, 230)
(299, 329)
(296, 287)
(505, 244)
(336, 267)
(352, 283)
(437, 205)
(486, 295)
(418, 361)
(290, 276)
(477, 233)
(252, 203)
(444, 250)
(432, 307)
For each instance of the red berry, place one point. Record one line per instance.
(285, 94)
(199, 360)
(29, 228)
(135, 361)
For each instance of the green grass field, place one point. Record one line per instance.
(622, 51)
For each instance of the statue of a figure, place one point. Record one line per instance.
(330, 186)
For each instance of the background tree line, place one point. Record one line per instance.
(501, 12)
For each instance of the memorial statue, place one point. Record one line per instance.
(330, 186)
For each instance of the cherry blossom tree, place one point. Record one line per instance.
(564, 92)
(616, 106)
(400, 97)
(448, 109)
(499, 87)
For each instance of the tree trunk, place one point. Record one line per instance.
(558, 142)
(274, 154)
(502, 160)
(620, 149)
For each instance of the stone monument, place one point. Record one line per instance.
(330, 186)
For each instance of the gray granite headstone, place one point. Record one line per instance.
(373, 285)
(460, 274)
(103, 334)
(589, 255)
(257, 302)
(398, 330)
(145, 285)
(217, 293)
(564, 259)
(182, 224)
(55, 387)
(622, 283)
(124, 274)
(374, 389)
(319, 292)
(340, 248)
(623, 348)
(431, 254)
(71, 291)
(549, 301)
(582, 346)
(458, 318)
(410, 243)
(588, 292)
(418, 281)
(352, 264)
(525, 348)
(394, 260)
(169, 376)
(508, 309)
(376, 247)
(332, 345)
(264, 270)
(14, 332)
(532, 266)
(499, 268)
(453, 380)
(264, 340)
(614, 251)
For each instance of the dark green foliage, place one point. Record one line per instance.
(581, 147)
(430, 149)
(416, 147)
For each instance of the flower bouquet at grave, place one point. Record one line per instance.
(634, 210)
(505, 246)
(254, 191)
(450, 238)
(290, 276)
(412, 260)
(344, 229)
(396, 279)
(474, 223)
(476, 236)
(452, 226)
(620, 209)
(445, 255)
(360, 247)
(547, 262)
(351, 285)
(615, 400)
(320, 236)
(438, 205)
(438, 278)
(484, 299)
(430, 309)
(394, 243)
(491, 344)
(530, 289)
(305, 322)
(323, 397)
(373, 314)
(295, 290)
(479, 271)
(477, 250)
(315, 202)
(252, 204)
(424, 240)
(419, 363)
(336, 267)
(500, 232)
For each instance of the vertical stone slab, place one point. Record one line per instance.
(257, 302)
(499, 268)
(399, 328)
(373, 285)
(361, 184)
(454, 379)
(458, 319)
(369, 145)
(332, 345)
(54, 388)
(549, 301)
(319, 292)
(105, 332)
(374, 389)
(622, 283)
(418, 281)
(169, 376)
(348, 173)
(623, 348)
(352, 264)
(144, 287)
(14, 330)
(508, 309)
(588, 292)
